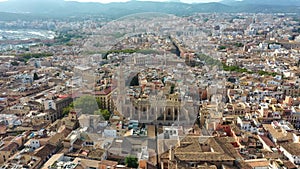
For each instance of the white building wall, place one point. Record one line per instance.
(290, 156)
(110, 133)
(49, 104)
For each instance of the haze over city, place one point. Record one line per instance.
(190, 84)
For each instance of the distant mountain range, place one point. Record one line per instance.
(263, 2)
(27, 9)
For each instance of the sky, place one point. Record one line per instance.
(108, 1)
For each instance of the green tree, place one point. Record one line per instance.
(172, 88)
(104, 113)
(35, 76)
(135, 80)
(238, 44)
(14, 63)
(208, 60)
(99, 103)
(67, 110)
(27, 56)
(87, 104)
(222, 47)
(131, 161)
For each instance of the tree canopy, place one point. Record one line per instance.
(131, 161)
(35, 76)
(104, 113)
(87, 104)
(172, 88)
(135, 80)
(66, 110)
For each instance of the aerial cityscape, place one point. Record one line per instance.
(150, 84)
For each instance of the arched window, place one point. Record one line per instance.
(176, 111)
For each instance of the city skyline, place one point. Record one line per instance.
(133, 84)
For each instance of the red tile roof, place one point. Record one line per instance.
(267, 141)
(104, 91)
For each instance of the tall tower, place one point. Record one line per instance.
(121, 90)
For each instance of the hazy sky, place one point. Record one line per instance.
(107, 1)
